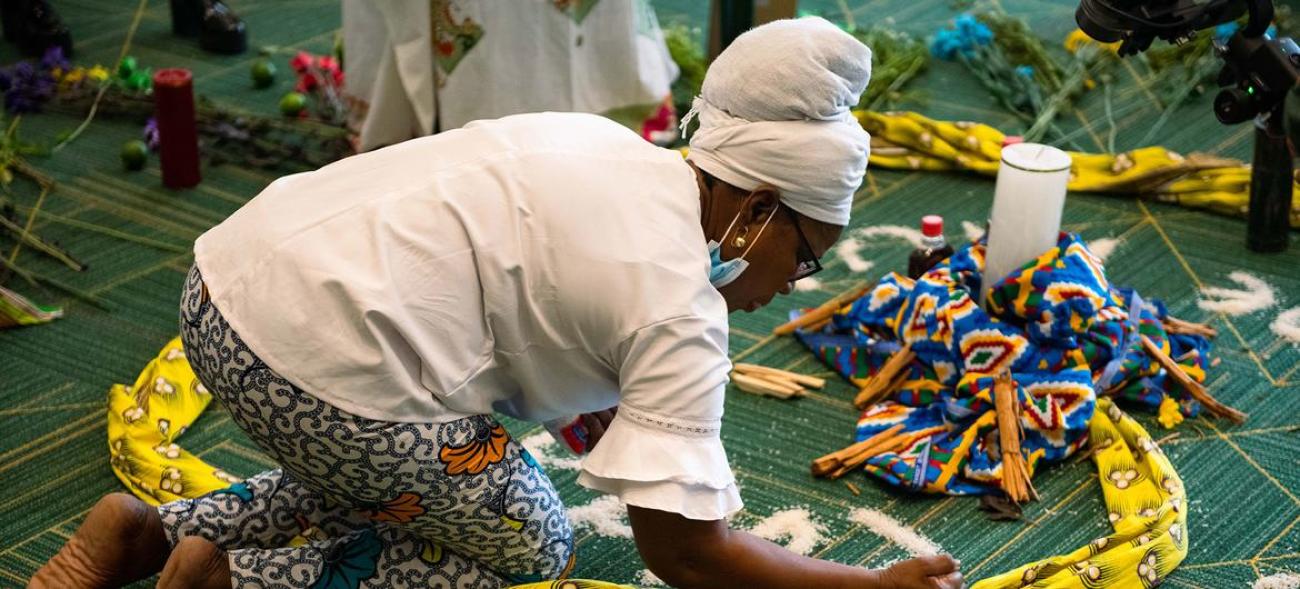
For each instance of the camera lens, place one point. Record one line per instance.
(1094, 25)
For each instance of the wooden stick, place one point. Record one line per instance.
(759, 386)
(1015, 471)
(1197, 390)
(891, 445)
(886, 379)
(803, 379)
(785, 382)
(819, 325)
(825, 311)
(1176, 325)
(852, 488)
(833, 461)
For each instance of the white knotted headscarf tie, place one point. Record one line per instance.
(775, 109)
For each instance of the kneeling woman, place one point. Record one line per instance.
(363, 322)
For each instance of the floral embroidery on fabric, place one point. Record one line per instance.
(452, 39)
(576, 9)
(487, 448)
(404, 508)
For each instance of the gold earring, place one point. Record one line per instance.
(740, 237)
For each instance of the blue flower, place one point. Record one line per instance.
(1025, 71)
(966, 34)
(1225, 30)
(350, 563)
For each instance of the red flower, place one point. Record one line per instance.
(328, 63)
(300, 62)
(307, 82)
(446, 48)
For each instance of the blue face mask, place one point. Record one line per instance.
(724, 272)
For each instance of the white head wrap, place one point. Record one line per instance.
(774, 109)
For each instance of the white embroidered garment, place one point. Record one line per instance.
(539, 265)
(411, 62)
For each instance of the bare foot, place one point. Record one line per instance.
(196, 563)
(121, 541)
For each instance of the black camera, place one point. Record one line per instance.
(1260, 80)
(1136, 23)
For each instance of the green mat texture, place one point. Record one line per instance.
(1243, 482)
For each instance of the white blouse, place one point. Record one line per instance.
(540, 265)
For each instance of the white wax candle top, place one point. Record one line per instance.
(1035, 157)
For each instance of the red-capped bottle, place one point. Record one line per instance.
(934, 248)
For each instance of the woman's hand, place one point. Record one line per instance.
(596, 424)
(691, 554)
(926, 572)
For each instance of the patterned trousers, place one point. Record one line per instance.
(358, 502)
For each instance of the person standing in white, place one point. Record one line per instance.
(362, 323)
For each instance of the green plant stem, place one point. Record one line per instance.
(34, 279)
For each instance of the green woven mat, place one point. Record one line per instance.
(1244, 482)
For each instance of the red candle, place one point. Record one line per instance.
(178, 134)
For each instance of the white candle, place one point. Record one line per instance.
(1027, 205)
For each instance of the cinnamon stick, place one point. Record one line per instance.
(1176, 325)
(891, 445)
(1197, 390)
(833, 461)
(1015, 471)
(887, 379)
(825, 311)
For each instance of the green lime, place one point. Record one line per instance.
(127, 67)
(263, 73)
(140, 80)
(134, 154)
(292, 104)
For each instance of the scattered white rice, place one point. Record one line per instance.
(1278, 581)
(605, 515)
(891, 529)
(1287, 325)
(796, 527)
(910, 234)
(1256, 296)
(1104, 247)
(809, 283)
(648, 579)
(972, 231)
(548, 452)
(847, 250)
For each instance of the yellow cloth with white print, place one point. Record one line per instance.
(1144, 496)
(1147, 507)
(572, 584)
(910, 141)
(144, 422)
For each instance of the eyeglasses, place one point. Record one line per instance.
(808, 264)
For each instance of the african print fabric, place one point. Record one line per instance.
(1147, 507)
(356, 502)
(911, 141)
(1057, 324)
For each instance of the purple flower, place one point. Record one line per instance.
(151, 134)
(54, 59)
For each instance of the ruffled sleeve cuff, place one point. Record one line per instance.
(663, 463)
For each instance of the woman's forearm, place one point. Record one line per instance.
(745, 560)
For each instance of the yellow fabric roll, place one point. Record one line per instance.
(910, 141)
(144, 422)
(1147, 507)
